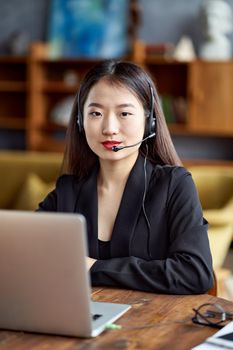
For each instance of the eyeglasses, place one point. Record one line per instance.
(213, 315)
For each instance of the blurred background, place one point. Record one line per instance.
(161, 20)
(47, 46)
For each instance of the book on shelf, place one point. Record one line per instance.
(168, 109)
(160, 50)
(174, 109)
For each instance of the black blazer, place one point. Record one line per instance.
(159, 241)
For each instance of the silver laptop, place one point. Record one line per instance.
(45, 285)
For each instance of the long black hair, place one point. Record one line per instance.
(79, 159)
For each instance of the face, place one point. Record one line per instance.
(113, 116)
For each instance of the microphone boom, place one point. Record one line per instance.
(116, 148)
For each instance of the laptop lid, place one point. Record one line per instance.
(45, 284)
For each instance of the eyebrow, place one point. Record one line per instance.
(93, 104)
(126, 105)
(123, 105)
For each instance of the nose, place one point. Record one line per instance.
(110, 125)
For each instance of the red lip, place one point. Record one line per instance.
(109, 144)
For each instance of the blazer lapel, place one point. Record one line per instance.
(130, 208)
(128, 213)
(87, 205)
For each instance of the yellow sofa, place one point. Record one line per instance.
(26, 177)
(215, 188)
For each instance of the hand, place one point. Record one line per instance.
(90, 262)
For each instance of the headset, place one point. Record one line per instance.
(79, 116)
(151, 122)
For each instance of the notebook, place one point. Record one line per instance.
(45, 285)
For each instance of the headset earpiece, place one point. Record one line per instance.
(80, 128)
(151, 122)
(79, 116)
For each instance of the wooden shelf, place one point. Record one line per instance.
(178, 129)
(13, 92)
(7, 59)
(184, 129)
(52, 127)
(69, 61)
(163, 61)
(30, 88)
(59, 87)
(12, 123)
(45, 142)
(13, 86)
(210, 133)
(207, 162)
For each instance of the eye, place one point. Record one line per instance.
(95, 114)
(125, 114)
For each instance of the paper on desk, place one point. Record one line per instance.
(206, 346)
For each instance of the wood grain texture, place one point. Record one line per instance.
(154, 322)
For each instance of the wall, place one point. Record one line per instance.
(161, 20)
(28, 16)
(168, 20)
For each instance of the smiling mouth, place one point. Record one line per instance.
(109, 144)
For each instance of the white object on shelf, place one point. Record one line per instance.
(216, 23)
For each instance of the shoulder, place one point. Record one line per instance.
(172, 180)
(67, 191)
(67, 184)
(164, 172)
(170, 173)
(66, 180)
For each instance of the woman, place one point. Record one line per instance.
(144, 220)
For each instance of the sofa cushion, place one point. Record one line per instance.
(214, 185)
(220, 238)
(33, 191)
(15, 167)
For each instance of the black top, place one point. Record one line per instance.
(170, 255)
(104, 249)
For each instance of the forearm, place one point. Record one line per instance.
(180, 274)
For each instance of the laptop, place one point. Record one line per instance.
(45, 285)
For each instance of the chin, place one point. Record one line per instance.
(120, 155)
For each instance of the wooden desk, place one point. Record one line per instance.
(155, 322)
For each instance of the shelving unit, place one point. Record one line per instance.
(51, 81)
(13, 92)
(171, 80)
(206, 86)
(210, 96)
(30, 88)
